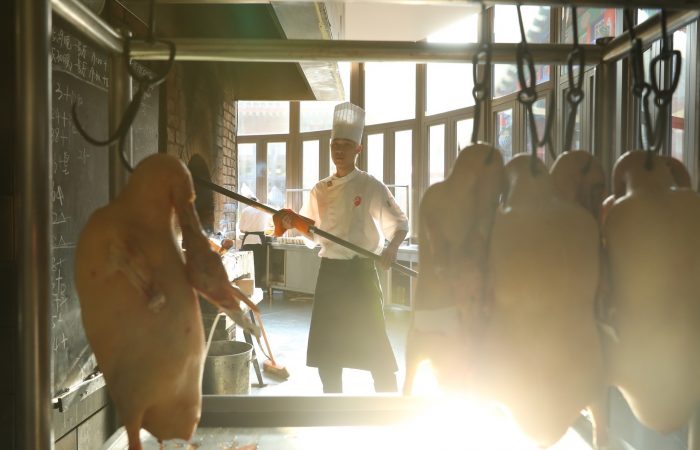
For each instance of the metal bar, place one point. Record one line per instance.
(32, 221)
(91, 25)
(330, 410)
(668, 4)
(119, 98)
(323, 234)
(282, 50)
(648, 31)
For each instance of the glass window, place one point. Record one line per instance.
(318, 116)
(539, 110)
(276, 174)
(255, 118)
(246, 170)
(449, 87)
(464, 133)
(403, 155)
(390, 92)
(505, 78)
(375, 155)
(680, 39)
(436, 150)
(504, 132)
(310, 164)
(646, 13)
(536, 21)
(593, 23)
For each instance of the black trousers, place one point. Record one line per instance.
(347, 324)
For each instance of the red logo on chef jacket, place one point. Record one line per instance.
(357, 201)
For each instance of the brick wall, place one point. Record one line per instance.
(201, 121)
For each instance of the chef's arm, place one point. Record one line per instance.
(389, 254)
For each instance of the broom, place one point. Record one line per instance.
(270, 366)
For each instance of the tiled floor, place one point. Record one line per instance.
(287, 324)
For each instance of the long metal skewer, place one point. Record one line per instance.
(324, 234)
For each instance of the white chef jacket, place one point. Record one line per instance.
(253, 220)
(357, 208)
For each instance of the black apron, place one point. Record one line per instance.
(347, 319)
(259, 256)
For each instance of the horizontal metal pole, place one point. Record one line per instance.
(648, 31)
(91, 25)
(280, 50)
(668, 4)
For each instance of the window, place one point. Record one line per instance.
(276, 174)
(449, 85)
(403, 155)
(390, 92)
(375, 156)
(259, 118)
(436, 149)
(536, 21)
(247, 172)
(464, 133)
(593, 23)
(504, 133)
(310, 166)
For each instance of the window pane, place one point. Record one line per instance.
(539, 110)
(403, 151)
(646, 13)
(246, 170)
(276, 174)
(535, 21)
(464, 133)
(504, 132)
(593, 23)
(310, 167)
(263, 118)
(505, 78)
(436, 149)
(390, 92)
(375, 156)
(449, 87)
(310, 164)
(678, 101)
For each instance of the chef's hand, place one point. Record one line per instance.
(286, 219)
(388, 256)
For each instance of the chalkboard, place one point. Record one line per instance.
(80, 174)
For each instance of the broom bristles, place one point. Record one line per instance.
(275, 370)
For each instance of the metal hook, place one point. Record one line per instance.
(481, 90)
(575, 94)
(145, 83)
(528, 94)
(641, 89)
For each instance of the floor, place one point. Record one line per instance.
(286, 320)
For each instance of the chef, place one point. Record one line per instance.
(347, 320)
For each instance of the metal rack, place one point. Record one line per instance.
(33, 69)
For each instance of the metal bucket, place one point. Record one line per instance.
(227, 368)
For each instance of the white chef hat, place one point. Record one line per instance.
(348, 122)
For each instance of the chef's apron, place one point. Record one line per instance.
(347, 319)
(259, 256)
